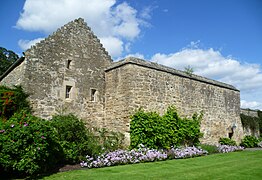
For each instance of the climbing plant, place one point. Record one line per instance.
(155, 131)
(250, 122)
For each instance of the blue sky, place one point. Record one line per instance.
(220, 39)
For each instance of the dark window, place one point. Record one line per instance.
(68, 90)
(68, 64)
(93, 95)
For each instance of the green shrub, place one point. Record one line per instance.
(77, 141)
(12, 100)
(249, 142)
(227, 141)
(155, 131)
(109, 140)
(211, 149)
(28, 145)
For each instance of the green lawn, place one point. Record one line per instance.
(236, 165)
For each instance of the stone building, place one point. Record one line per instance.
(70, 71)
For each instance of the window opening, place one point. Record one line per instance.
(93, 95)
(68, 90)
(68, 64)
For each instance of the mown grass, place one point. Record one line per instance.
(236, 165)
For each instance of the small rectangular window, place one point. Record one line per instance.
(68, 90)
(93, 95)
(68, 64)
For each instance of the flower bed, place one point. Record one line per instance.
(124, 157)
(179, 153)
(227, 148)
(140, 155)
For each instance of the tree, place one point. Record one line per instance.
(7, 58)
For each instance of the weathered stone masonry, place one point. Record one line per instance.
(70, 57)
(70, 71)
(135, 83)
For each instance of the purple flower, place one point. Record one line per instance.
(25, 124)
(2, 131)
(43, 137)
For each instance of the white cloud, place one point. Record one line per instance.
(25, 44)
(113, 45)
(251, 105)
(107, 18)
(212, 64)
(137, 55)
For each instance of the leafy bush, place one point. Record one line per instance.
(211, 149)
(155, 132)
(249, 142)
(28, 145)
(227, 141)
(228, 148)
(78, 141)
(12, 100)
(74, 137)
(109, 140)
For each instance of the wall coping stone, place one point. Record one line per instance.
(159, 67)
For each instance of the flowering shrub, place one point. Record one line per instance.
(179, 153)
(28, 145)
(12, 100)
(124, 157)
(228, 148)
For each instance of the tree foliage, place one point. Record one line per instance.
(7, 58)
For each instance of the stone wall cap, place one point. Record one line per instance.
(159, 67)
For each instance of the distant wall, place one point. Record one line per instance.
(248, 131)
(15, 77)
(135, 84)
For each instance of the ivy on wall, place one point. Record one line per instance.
(259, 113)
(253, 123)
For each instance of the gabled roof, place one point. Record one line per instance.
(158, 67)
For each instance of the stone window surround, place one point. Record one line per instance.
(63, 94)
(68, 92)
(93, 95)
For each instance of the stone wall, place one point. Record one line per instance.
(248, 131)
(70, 61)
(134, 83)
(16, 76)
